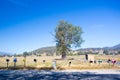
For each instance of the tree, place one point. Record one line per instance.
(24, 60)
(106, 52)
(25, 53)
(67, 36)
(118, 52)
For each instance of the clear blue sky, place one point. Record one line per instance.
(26, 25)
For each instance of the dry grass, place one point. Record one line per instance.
(106, 57)
(78, 62)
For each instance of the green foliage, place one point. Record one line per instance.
(105, 52)
(49, 54)
(25, 53)
(81, 53)
(1, 56)
(118, 52)
(18, 55)
(67, 36)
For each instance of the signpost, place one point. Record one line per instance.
(86, 57)
(43, 61)
(24, 60)
(7, 60)
(35, 60)
(113, 61)
(108, 61)
(94, 61)
(54, 64)
(90, 61)
(69, 64)
(99, 61)
(15, 60)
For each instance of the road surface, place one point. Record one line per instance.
(60, 75)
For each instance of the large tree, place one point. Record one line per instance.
(67, 36)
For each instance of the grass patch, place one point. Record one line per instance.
(77, 62)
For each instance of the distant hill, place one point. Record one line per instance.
(116, 47)
(4, 54)
(48, 50)
(52, 49)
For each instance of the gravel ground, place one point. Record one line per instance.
(60, 75)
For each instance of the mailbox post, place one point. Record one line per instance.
(54, 64)
(43, 61)
(86, 57)
(35, 60)
(108, 61)
(15, 60)
(94, 61)
(113, 62)
(24, 60)
(90, 62)
(69, 64)
(99, 61)
(7, 60)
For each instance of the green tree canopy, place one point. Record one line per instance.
(25, 53)
(67, 36)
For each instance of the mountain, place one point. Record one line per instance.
(116, 47)
(48, 50)
(5, 53)
(52, 49)
(106, 48)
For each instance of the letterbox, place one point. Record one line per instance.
(44, 61)
(108, 61)
(7, 60)
(35, 60)
(91, 61)
(15, 60)
(113, 61)
(99, 61)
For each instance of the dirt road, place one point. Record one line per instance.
(60, 75)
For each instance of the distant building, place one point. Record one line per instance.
(44, 54)
(100, 52)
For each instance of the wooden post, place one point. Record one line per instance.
(15, 60)
(69, 64)
(24, 60)
(7, 60)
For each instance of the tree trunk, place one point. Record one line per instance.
(63, 56)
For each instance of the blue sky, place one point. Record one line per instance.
(26, 25)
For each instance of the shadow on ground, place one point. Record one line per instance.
(31, 68)
(54, 75)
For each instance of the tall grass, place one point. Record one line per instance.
(78, 62)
